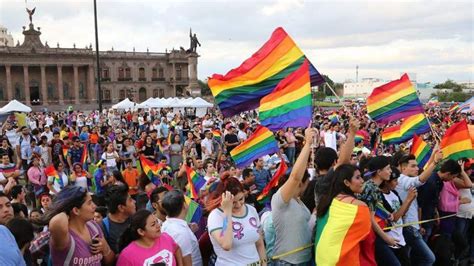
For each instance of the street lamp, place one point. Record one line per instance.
(99, 89)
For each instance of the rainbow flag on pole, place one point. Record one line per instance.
(217, 134)
(264, 196)
(150, 169)
(260, 143)
(289, 105)
(421, 150)
(51, 171)
(195, 182)
(415, 124)
(65, 151)
(339, 233)
(84, 155)
(194, 213)
(242, 88)
(393, 101)
(456, 142)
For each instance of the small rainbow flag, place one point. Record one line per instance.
(415, 124)
(393, 101)
(84, 155)
(359, 136)
(289, 105)
(170, 136)
(260, 143)
(217, 134)
(339, 233)
(453, 107)
(194, 213)
(264, 196)
(150, 169)
(65, 151)
(51, 171)
(334, 118)
(242, 88)
(195, 182)
(456, 142)
(421, 150)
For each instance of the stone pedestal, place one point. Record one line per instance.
(193, 88)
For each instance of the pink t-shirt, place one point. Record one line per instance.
(162, 251)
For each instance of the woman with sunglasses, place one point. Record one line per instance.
(75, 238)
(143, 243)
(234, 227)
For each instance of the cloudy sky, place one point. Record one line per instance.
(433, 39)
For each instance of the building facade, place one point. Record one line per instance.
(6, 39)
(53, 77)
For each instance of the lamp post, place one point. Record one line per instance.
(99, 89)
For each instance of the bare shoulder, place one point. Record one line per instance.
(359, 203)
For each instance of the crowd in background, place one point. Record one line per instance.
(102, 209)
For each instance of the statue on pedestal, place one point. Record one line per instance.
(30, 14)
(194, 42)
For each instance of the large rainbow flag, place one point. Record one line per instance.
(242, 88)
(421, 150)
(151, 169)
(265, 195)
(415, 124)
(393, 101)
(195, 182)
(260, 143)
(289, 105)
(456, 142)
(339, 232)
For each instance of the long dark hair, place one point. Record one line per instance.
(68, 198)
(227, 183)
(138, 221)
(341, 173)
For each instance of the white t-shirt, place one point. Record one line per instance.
(13, 137)
(110, 159)
(48, 135)
(56, 184)
(2, 178)
(330, 140)
(396, 233)
(49, 120)
(179, 230)
(206, 143)
(466, 210)
(404, 184)
(81, 181)
(241, 135)
(246, 230)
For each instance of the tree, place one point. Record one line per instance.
(450, 85)
(325, 88)
(205, 90)
(454, 96)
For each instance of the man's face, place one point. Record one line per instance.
(259, 163)
(6, 210)
(25, 131)
(210, 168)
(410, 168)
(5, 159)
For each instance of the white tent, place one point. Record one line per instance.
(14, 106)
(125, 104)
(200, 103)
(146, 103)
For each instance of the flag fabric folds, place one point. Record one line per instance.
(242, 88)
(359, 136)
(456, 142)
(194, 213)
(415, 124)
(195, 182)
(217, 134)
(150, 169)
(264, 196)
(339, 232)
(467, 105)
(289, 105)
(393, 101)
(260, 143)
(51, 171)
(421, 150)
(84, 155)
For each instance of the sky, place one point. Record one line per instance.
(433, 39)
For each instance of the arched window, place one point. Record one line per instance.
(161, 93)
(121, 73)
(128, 74)
(161, 73)
(155, 93)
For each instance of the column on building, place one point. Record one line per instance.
(76, 84)
(9, 91)
(27, 84)
(44, 91)
(91, 92)
(60, 85)
(173, 74)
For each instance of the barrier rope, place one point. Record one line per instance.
(296, 250)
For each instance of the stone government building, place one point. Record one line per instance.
(54, 78)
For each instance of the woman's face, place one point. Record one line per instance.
(110, 147)
(35, 216)
(152, 228)
(98, 217)
(190, 136)
(87, 209)
(239, 202)
(356, 184)
(45, 202)
(77, 169)
(176, 139)
(148, 140)
(385, 173)
(4, 143)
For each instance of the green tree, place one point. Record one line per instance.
(325, 88)
(319, 96)
(450, 85)
(205, 90)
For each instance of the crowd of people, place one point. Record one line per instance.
(101, 208)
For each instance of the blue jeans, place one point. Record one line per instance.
(384, 254)
(290, 153)
(420, 253)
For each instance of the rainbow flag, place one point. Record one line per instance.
(289, 105)
(333, 117)
(51, 171)
(217, 134)
(168, 139)
(65, 151)
(260, 143)
(195, 182)
(339, 233)
(453, 107)
(393, 101)
(265, 195)
(421, 150)
(415, 124)
(84, 155)
(359, 136)
(150, 169)
(467, 105)
(242, 88)
(456, 142)
(194, 213)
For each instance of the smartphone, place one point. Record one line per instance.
(95, 241)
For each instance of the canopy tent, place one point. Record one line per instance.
(125, 104)
(175, 103)
(14, 106)
(200, 103)
(146, 103)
